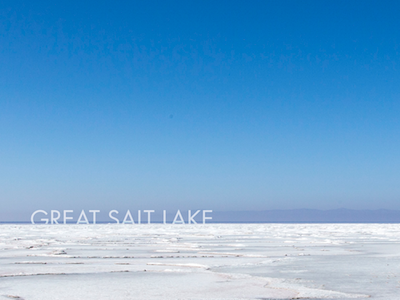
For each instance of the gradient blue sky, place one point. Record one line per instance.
(224, 105)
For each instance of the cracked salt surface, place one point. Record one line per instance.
(212, 261)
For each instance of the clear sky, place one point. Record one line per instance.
(224, 105)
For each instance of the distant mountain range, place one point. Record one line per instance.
(341, 215)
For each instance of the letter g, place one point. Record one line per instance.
(39, 211)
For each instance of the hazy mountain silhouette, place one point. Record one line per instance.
(341, 215)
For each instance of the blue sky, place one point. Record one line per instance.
(228, 105)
